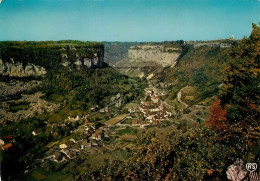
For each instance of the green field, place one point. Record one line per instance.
(116, 119)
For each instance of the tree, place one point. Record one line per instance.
(218, 120)
(194, 155)
(238, 108)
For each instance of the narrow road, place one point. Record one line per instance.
(179, 98)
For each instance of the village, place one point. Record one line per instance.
(110, 127)
(104, 129)
(89, 137)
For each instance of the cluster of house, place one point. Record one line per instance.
(69, 150)
(77, 118)
(154, 111)
(114, 98)
(99, 134)
(152, 91)
(105, 109)
(164, 85)
(117, 99)
(94, 108)
(73, 147)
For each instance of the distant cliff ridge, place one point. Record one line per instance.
(165, 56)
(21, 59)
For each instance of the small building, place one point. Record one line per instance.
(77, 118)
(93, 144)
(119, 103)
(155, 99)
(87, 122)
(69, 154)
(142, 126)
(135, 123)
(93, 108)
(118, 96)
(73, 140)
(98, 135)
(105, 109)
(63, 146)
(113, 99)
(148, 92)
(6, 146)
(2, 142)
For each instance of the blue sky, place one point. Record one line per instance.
(126, 20)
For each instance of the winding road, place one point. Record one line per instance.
(179, 98)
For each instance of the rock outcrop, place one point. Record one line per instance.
(70, 57)
(23, 59)
(18, 70)
(165, 56)
(147, 60)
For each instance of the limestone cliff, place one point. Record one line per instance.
(23, 59)
(18, 70)
(165, 56)
(75, 57)
(147, 60)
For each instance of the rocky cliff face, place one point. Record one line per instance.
(18, 70)
(147, 60)
(24, 59)
(72, 57)
(165, 56)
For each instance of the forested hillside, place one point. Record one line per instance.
(200, 69)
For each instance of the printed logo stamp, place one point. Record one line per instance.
(251, 167)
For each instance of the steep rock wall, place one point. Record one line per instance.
(165, 56)
(23, 59)
(81, 57)
(18, 70)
